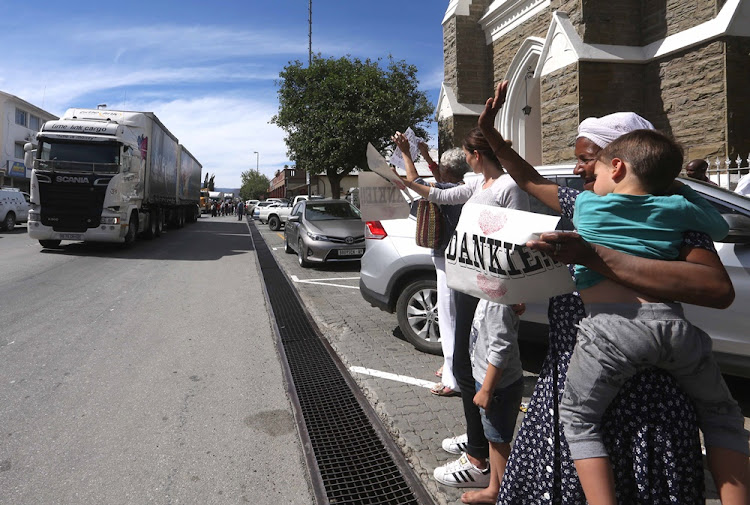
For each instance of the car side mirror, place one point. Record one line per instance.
(294, 219)
(739, 228)
(29, 153)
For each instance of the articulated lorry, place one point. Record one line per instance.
(107, 176)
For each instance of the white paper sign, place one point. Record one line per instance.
(377, 164)
(487, 257)
(397, 158)
(379, 199)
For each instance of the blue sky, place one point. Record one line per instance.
(208, 69)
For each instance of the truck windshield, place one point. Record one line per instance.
(92, 157)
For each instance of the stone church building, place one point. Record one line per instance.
(682, 64)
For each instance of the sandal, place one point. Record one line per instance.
(439, 372)
(440, 389)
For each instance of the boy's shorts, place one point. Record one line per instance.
(499, 420)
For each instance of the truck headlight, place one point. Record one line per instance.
(110, 220)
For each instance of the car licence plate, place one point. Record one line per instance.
(71, 236)
(351, 252)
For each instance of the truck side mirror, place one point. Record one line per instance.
(29, 154)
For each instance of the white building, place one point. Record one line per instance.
(20, 121)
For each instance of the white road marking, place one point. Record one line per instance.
(392, 376)
(324, 282)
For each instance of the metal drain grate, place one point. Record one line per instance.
(357, 461)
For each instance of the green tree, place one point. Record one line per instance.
(254, 185)
(333, 108)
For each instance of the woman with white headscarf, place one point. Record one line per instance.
(650, 428)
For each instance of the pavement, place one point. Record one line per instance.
(393, 375)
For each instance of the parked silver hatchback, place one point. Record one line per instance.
(320, 231)
(398, 276)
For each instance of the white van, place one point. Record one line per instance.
(14, 208)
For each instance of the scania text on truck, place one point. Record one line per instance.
(105, 176)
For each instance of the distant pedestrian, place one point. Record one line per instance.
(213, 209)
(240, 211)
(696, 169)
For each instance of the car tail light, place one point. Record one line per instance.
(374, 230)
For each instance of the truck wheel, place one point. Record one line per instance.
(159, 222)
(416, 311)
(9, 222)
(301, 255)
(152, 226)
(49, 244)
(274, 223)
(132, 230)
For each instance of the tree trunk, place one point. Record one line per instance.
(335, 180)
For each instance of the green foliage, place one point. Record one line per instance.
(332, 109)
(254, 185)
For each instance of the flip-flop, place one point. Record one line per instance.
(441, 390)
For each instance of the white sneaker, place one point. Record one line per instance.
(456, 445)
(461, 473)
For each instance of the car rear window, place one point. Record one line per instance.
(329, 211)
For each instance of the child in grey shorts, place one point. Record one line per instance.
(626, 331)
(496, 367)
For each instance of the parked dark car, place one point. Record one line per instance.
(320, 231)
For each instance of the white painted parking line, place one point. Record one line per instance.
(392, 376)
(324, 282)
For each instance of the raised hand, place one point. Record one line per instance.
(492, 106)
(403, 144)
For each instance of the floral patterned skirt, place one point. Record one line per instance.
(650, 430)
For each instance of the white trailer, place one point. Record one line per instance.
(106, 176)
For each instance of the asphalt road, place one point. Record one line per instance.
(142, 375)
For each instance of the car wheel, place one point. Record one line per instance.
(274, 223)
(49, 244)
(301, 259)
(287, 248)
(416, 310)
(10, 221)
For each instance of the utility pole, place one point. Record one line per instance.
(257, 161)
(309, 64)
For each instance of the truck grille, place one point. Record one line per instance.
(69, 207)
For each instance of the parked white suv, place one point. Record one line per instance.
(14, 208)
(398, 276)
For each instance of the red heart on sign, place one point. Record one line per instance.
(490, 222)
(492, 287)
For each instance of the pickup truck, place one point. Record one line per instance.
(266, 209)
(278, 216)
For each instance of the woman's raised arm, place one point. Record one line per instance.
(522, 172)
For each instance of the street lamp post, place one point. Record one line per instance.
(257, 161)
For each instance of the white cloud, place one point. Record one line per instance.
(222, 132)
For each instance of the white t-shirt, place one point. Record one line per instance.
(743, 187)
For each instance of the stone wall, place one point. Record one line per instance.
(686, 95)
(466, 57)
(738, 99)
(559, 95)
(454, 137)
(608, 22)
(505, 48)
(607, 87)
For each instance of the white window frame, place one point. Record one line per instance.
(25, 117)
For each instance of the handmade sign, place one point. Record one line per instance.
(487, 258)
(380, 199)
(397, 158)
